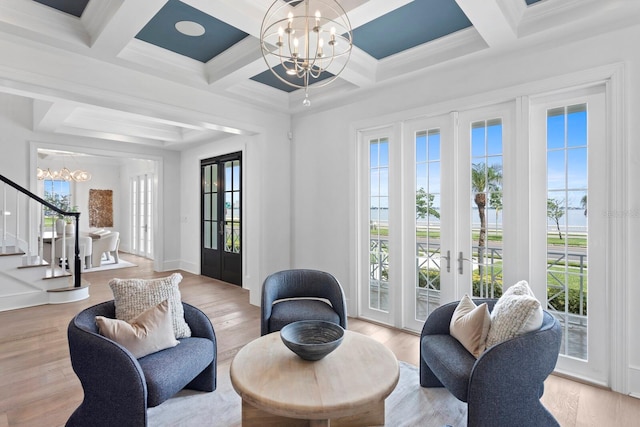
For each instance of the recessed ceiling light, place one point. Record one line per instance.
(190, 28)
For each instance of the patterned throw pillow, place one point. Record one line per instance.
(133, 296)
(516, 312)
(470, 325)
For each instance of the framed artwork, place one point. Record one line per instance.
(100, 208)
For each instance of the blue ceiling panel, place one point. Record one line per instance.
(269, 79)
(72, 7)
(418, 22)
(530, 2)
(161, 31)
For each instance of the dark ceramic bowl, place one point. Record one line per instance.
(312, 339)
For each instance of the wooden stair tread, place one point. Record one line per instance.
(11, 251)
(43, 264)
(83, 285)
(57, 273)
(69, 288)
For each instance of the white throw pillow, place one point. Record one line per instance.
(516, 312)
(470, 325)
(151, 331)
(133, 296)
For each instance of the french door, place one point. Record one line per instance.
(429, 193)
(457, 204)
(141, 191)
(569, 135)
(221, 246)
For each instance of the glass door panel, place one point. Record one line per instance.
(486, 207)
(141, 188)
(221, 198)
(428, 193)
(379, 224)
(429, 206)
(486, 162)
(569, 137)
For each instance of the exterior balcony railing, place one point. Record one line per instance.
(566, 285)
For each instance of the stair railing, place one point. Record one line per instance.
(77, 280)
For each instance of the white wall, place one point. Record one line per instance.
(324, 172)
(266, 201)
(15, 122)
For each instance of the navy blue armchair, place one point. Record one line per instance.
(504, 385)
(118, 388)
(292, 295)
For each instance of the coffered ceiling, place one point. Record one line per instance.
(391, 37)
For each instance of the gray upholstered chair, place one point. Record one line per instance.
(504, 385)
(118, 388)
(291, 295)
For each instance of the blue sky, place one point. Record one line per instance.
(566, 156)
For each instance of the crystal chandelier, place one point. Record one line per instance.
(65, 174)
(306, 46)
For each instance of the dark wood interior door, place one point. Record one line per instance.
(222, 218)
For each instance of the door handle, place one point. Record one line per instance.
(448, 258)
(220, 227)
(461, 258)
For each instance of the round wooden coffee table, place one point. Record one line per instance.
(347, 387)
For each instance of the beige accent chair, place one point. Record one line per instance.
(85, 248)
(106, 245)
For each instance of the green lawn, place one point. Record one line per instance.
(573, 240)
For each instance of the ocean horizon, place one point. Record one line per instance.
(577, 221)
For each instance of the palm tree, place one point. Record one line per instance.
(483, 180)
(583, 204)
(495, 200)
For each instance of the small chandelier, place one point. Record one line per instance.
(65, 174)
(307, 46)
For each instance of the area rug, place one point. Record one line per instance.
(408, 405)
(110, 265)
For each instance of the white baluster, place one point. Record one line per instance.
(53, 252)
(63, 255)
(41, 240)
(4, 219)
(17, 246)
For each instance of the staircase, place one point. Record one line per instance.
(26, 279)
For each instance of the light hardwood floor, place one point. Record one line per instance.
(39, 388)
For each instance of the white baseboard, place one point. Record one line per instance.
(191, 267)
(633, 377)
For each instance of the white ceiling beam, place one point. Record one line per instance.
(361, 70)
(236, 64)
(489, 19)
(150, 58)
(122, 124)
(113, 23)
(48, 116)
(41, 23)
(514, 12)
(456, 45)
(110, 136)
